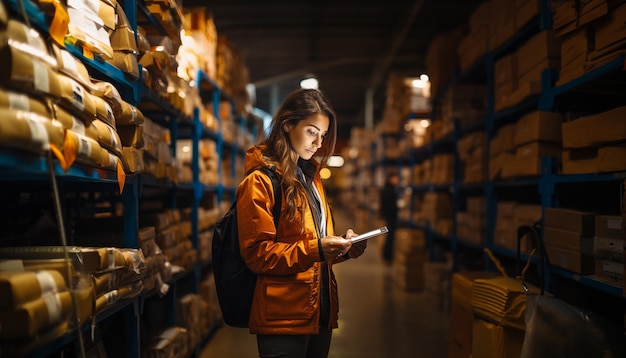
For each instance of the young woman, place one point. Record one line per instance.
(295, 304)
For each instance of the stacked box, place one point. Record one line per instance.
(461, 316)
(568, 238)
(408, 259)
(501, 150)
(473, 157)
(442, 59)
(437, 209)
(535, 135)
(472, 224)
(505, 234)
(465, 103)
(608, 249)
(443, 169)
(594, 143)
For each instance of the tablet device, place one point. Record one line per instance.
(369, 234)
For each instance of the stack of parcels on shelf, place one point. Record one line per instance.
(387, 146)
(501, 150)
(409, 256)
(568, 238)
(475, 43)
(206, 220)
(108, 231)
(414, 134)
(498, 304)
(535, 135)
(439, 129)
(461, 316)
(471, 224)
(124, 44)
(153, 142)
(170, 342)
(161, 68)
(89, 25)
(491, 25)
(437, 210)
(169, 15)
(158, 268)
(360, 144)
(52, 103)
(465, 103)
(472, 157)
(591, 34)
(208, 161)
(233, 76)
(199, 49)
(438, 280)
(102, 275)
(192, 314)
(36, 307)
(595, 143)
(510, 216)
(208, 292)
(608, 249)
(173, 232)
(518, 75)
(442, 59)
(422, 172)
(442, 169)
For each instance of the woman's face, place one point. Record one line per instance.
(306, 137)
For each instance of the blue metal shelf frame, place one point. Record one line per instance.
(547, 182)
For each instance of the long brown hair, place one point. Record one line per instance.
(299, 104)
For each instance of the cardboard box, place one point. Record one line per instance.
(580, 222)
(492, 340)
(595, 130)
(536, 150)
(609, 226)
(568, 240)
(611, 159)
(538, 126)
(609, 271)
(611, 29)
(571, 260)
(526, 10)
(608, 249)
(539, 48)
(579, 161)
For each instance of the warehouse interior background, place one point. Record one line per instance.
(350, 46)
(123, 138)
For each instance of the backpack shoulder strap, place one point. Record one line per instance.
(271, 173)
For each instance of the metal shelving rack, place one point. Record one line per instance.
(19, 166)
(547, 183)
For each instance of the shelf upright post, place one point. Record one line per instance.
(456, 179)
(130, 9)
(198, 189)
(130, 198)
(490, 197)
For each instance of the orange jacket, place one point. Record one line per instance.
(287, 293)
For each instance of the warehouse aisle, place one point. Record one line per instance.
(376, 318)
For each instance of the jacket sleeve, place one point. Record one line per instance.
(294, 252)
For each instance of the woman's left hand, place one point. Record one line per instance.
(358, 248)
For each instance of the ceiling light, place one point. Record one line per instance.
(310, 82)
(336, 161)
(424, 77)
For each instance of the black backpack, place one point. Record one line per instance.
(233, 279)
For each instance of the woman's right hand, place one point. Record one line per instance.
(334, 247)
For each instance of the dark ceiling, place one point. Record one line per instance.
(351, 46)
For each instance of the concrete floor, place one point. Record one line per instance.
(377, 319)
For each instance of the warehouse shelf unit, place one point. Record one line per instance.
(38, 173)
(549, 189)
